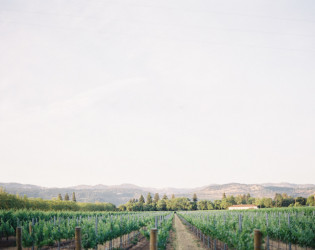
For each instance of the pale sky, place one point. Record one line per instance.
(157, 93)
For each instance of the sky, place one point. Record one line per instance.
(168, 93)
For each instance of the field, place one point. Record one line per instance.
(234, 229)
(41, 229)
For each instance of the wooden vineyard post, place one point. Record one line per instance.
(19, 238)
(257, 239)
(77, 238)
(208, 241)
(153, 239)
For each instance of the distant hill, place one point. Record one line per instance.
(256, 190)
(119, 194)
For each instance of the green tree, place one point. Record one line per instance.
(73, 197)
(278, 199)
(300, 200)
(225, 204)
(223, 196)
(202, 205)
(251, 200)
(194, 202)
(141, 199)
(66, 197)
(287, 201)
(180, 203)
(267, 202)
(247, 197)
(140, 204)
(149, 207)
(285, 196)
(173, 196)
(161, 205)
(242, 199)
(210, 205)
(59, 197)
(122, 208)
(217, 204)
(231, 200)
(129, 205)
(156, 198)
(149, 199)
(195, 198)
(310, 201)
(165, 197)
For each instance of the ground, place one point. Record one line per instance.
(182, 238)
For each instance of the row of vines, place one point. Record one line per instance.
(235, 228)
(48, 228)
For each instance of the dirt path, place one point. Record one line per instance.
(184, 239)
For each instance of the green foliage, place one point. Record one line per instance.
(73, 197)
(141, 199)
(59, 197)
(6, 229)
(227, 202)
(161, 205)
(194, 203)
(278, 200)
(310, 201)
(46, 228)
(66, 197)
(149, 199)
(300, 200)
(295, 225)
(9, 201)
(122, 208)
(156, 198)
(202, 205)
(165, 223)
(179, 204)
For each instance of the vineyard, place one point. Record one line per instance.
(233, 229)
(47, 229)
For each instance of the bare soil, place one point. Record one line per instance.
(184, 239)
(172, 238)
(7, 244)
(143, 244)
(273, 244)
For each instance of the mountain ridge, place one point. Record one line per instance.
(120, 194)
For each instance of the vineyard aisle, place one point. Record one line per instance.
(184, 239)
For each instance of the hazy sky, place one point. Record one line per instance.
(157, 93)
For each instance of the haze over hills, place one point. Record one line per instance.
(119, 194)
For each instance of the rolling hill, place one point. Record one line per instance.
(119, 194)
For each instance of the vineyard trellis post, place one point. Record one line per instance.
(267, 225)
(78, 238)
(96, 231)
(257, 239)
(153, 239)
(19, 238)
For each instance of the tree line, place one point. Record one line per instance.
(11, 201)
(155, 203)
(67, 198)
(182, 203)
